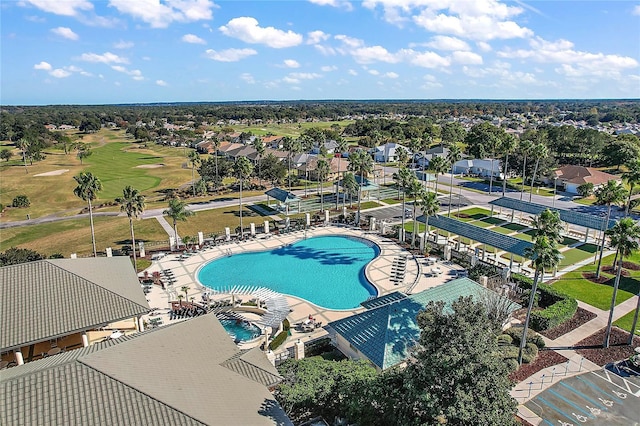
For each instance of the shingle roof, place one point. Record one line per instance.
(50, 298)
(386, 334)
(172, 375)
(580, 174)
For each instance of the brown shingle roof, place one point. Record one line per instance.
(579, 175)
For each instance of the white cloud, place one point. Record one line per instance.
(636, 10)
(484, 46)
(353, 72)
(247, 78)
(123, 45)
(373, 72)
(64, 8)
(247, 29)
(135, 74)
(192, 38)
(59, 73)
(428, 60)
(447, 43)
(229, 55)
(42, 66)
(474, 27)
(161, 83)
(328, 68)
(161, 15)
(291, 63)
(345, 4)
(105, 58)
(317, 36)
(325, 50)
(468, 58)
(391, 74)
(502, 74)
(305, 75)
(65, 32)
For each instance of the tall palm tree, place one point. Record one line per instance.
(293, 146)
(454, 155)
(539, 152)
(414, 146)
(611, 193)
(216, 144)
(548, 224)
(624, 237)
(87, 189)
(416, 190)
(177, 211)
(632, 176)
(194, 159)
(260, 149)
(133, 204)
(360, 162)
(242, 169)
(350, 186)
(402, 155)
(322, 171)
(509, 145)
(430, 207)
(23, 145)
(438, 165)
(492, 146)
(403, 177)
(545, 256)
(525, 148)
(342, 147)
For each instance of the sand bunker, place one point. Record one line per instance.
(149, 166)
(53, 173)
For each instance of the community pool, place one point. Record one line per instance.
(327, 271)
(240, 331)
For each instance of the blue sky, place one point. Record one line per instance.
(138, 51)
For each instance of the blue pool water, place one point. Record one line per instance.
(240, 330)
(326, 271)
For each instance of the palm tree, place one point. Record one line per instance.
(492, 145)
(177, 211)
(540, 152)
(23, 145)
(242, 169)
(624, 237)
(548, 224)
(260, 149)
(632, 176)
(293, 146)
(216, 143)
(403, 177)
(402, 155)
(322, 171)
(454, 155)
(526, 146)
(87, 189)
(194, 159)
(414, 146)
(185, 289)
(350, 186)
(430, 207)
(545, 256)
(133, 204)
(439, 166)
(416, 190)
(342, 147)
(611, 193)
(509, 145)
(360, 162)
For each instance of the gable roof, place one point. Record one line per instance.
(580, 174)
(386, 334)
(138, 379)
(282, 195)
(46, 299)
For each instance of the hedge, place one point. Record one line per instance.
(278, 340)
(532, 336)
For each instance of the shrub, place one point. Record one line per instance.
(504, 339)
(286, 325)
(21, 201)
(278, 340)
(509, 352)
(512, 364)
(530, 353)
(532, 336)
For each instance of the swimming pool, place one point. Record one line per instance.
(327, 271)
(239, 330)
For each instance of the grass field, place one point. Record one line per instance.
(626, 322)
(575, 255)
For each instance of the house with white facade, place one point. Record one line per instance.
(388, 152)
(479, 167)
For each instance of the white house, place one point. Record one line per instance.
(480, 167)
(387, 153)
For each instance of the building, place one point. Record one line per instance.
(55, 305)
(571, 177)
(385, 333)
(387, 153)
(188, 373)
(479, 167)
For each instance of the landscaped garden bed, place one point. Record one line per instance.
(582, 316)
(544, 359)
(618, 350)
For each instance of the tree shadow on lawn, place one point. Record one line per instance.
(627, 283)
(245, 213)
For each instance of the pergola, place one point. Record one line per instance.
(283, 196)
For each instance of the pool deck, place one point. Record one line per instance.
(378, 272)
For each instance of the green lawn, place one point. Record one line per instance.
(369, 205)
(523, 236)
(475, 212)
(514, 226)
(391, 201)
(493, 220)
(516, 258)
(502, 230)
(626, 322)
(576, 255)
(589, 201)
(481, 224)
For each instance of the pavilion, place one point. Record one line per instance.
(284, 197)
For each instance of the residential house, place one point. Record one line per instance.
(571, 177)
(479, 167)
(423, 160)
(387, 153)
(274, 142)
(329, 145)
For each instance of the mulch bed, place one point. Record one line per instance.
(611, 270)
(631, 265)
(582, 316)
(591, 276)
(617, 351)
(543, 360)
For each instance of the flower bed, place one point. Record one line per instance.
(617, 351)
(582, 316)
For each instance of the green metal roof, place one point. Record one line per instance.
(282, 195)
(386, 334)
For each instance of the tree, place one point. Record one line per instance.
(84, 152)
(350, 186)
(402, 178)
(548, 224)
(14, 256)
(509, 145)
(416, 190)
(342, 147)
(242, 169)
(20, 201)
(87, 189)
(194, 159)
(403, 156)
(619, 151)
(133, 204)
(545, 256)
(185, 290)
(454, 155)
(430, 207)
(585, 190)
(452, 133)
(361, 163)
(525, 148)
(293, 146)
(177, 211)
(438, 165)
(322, 171)
(23, 145)
(538, 152)
(611, 193)
(624, 237)
(260, 149)
(632, 177)
(6, 155)
(89, 125)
